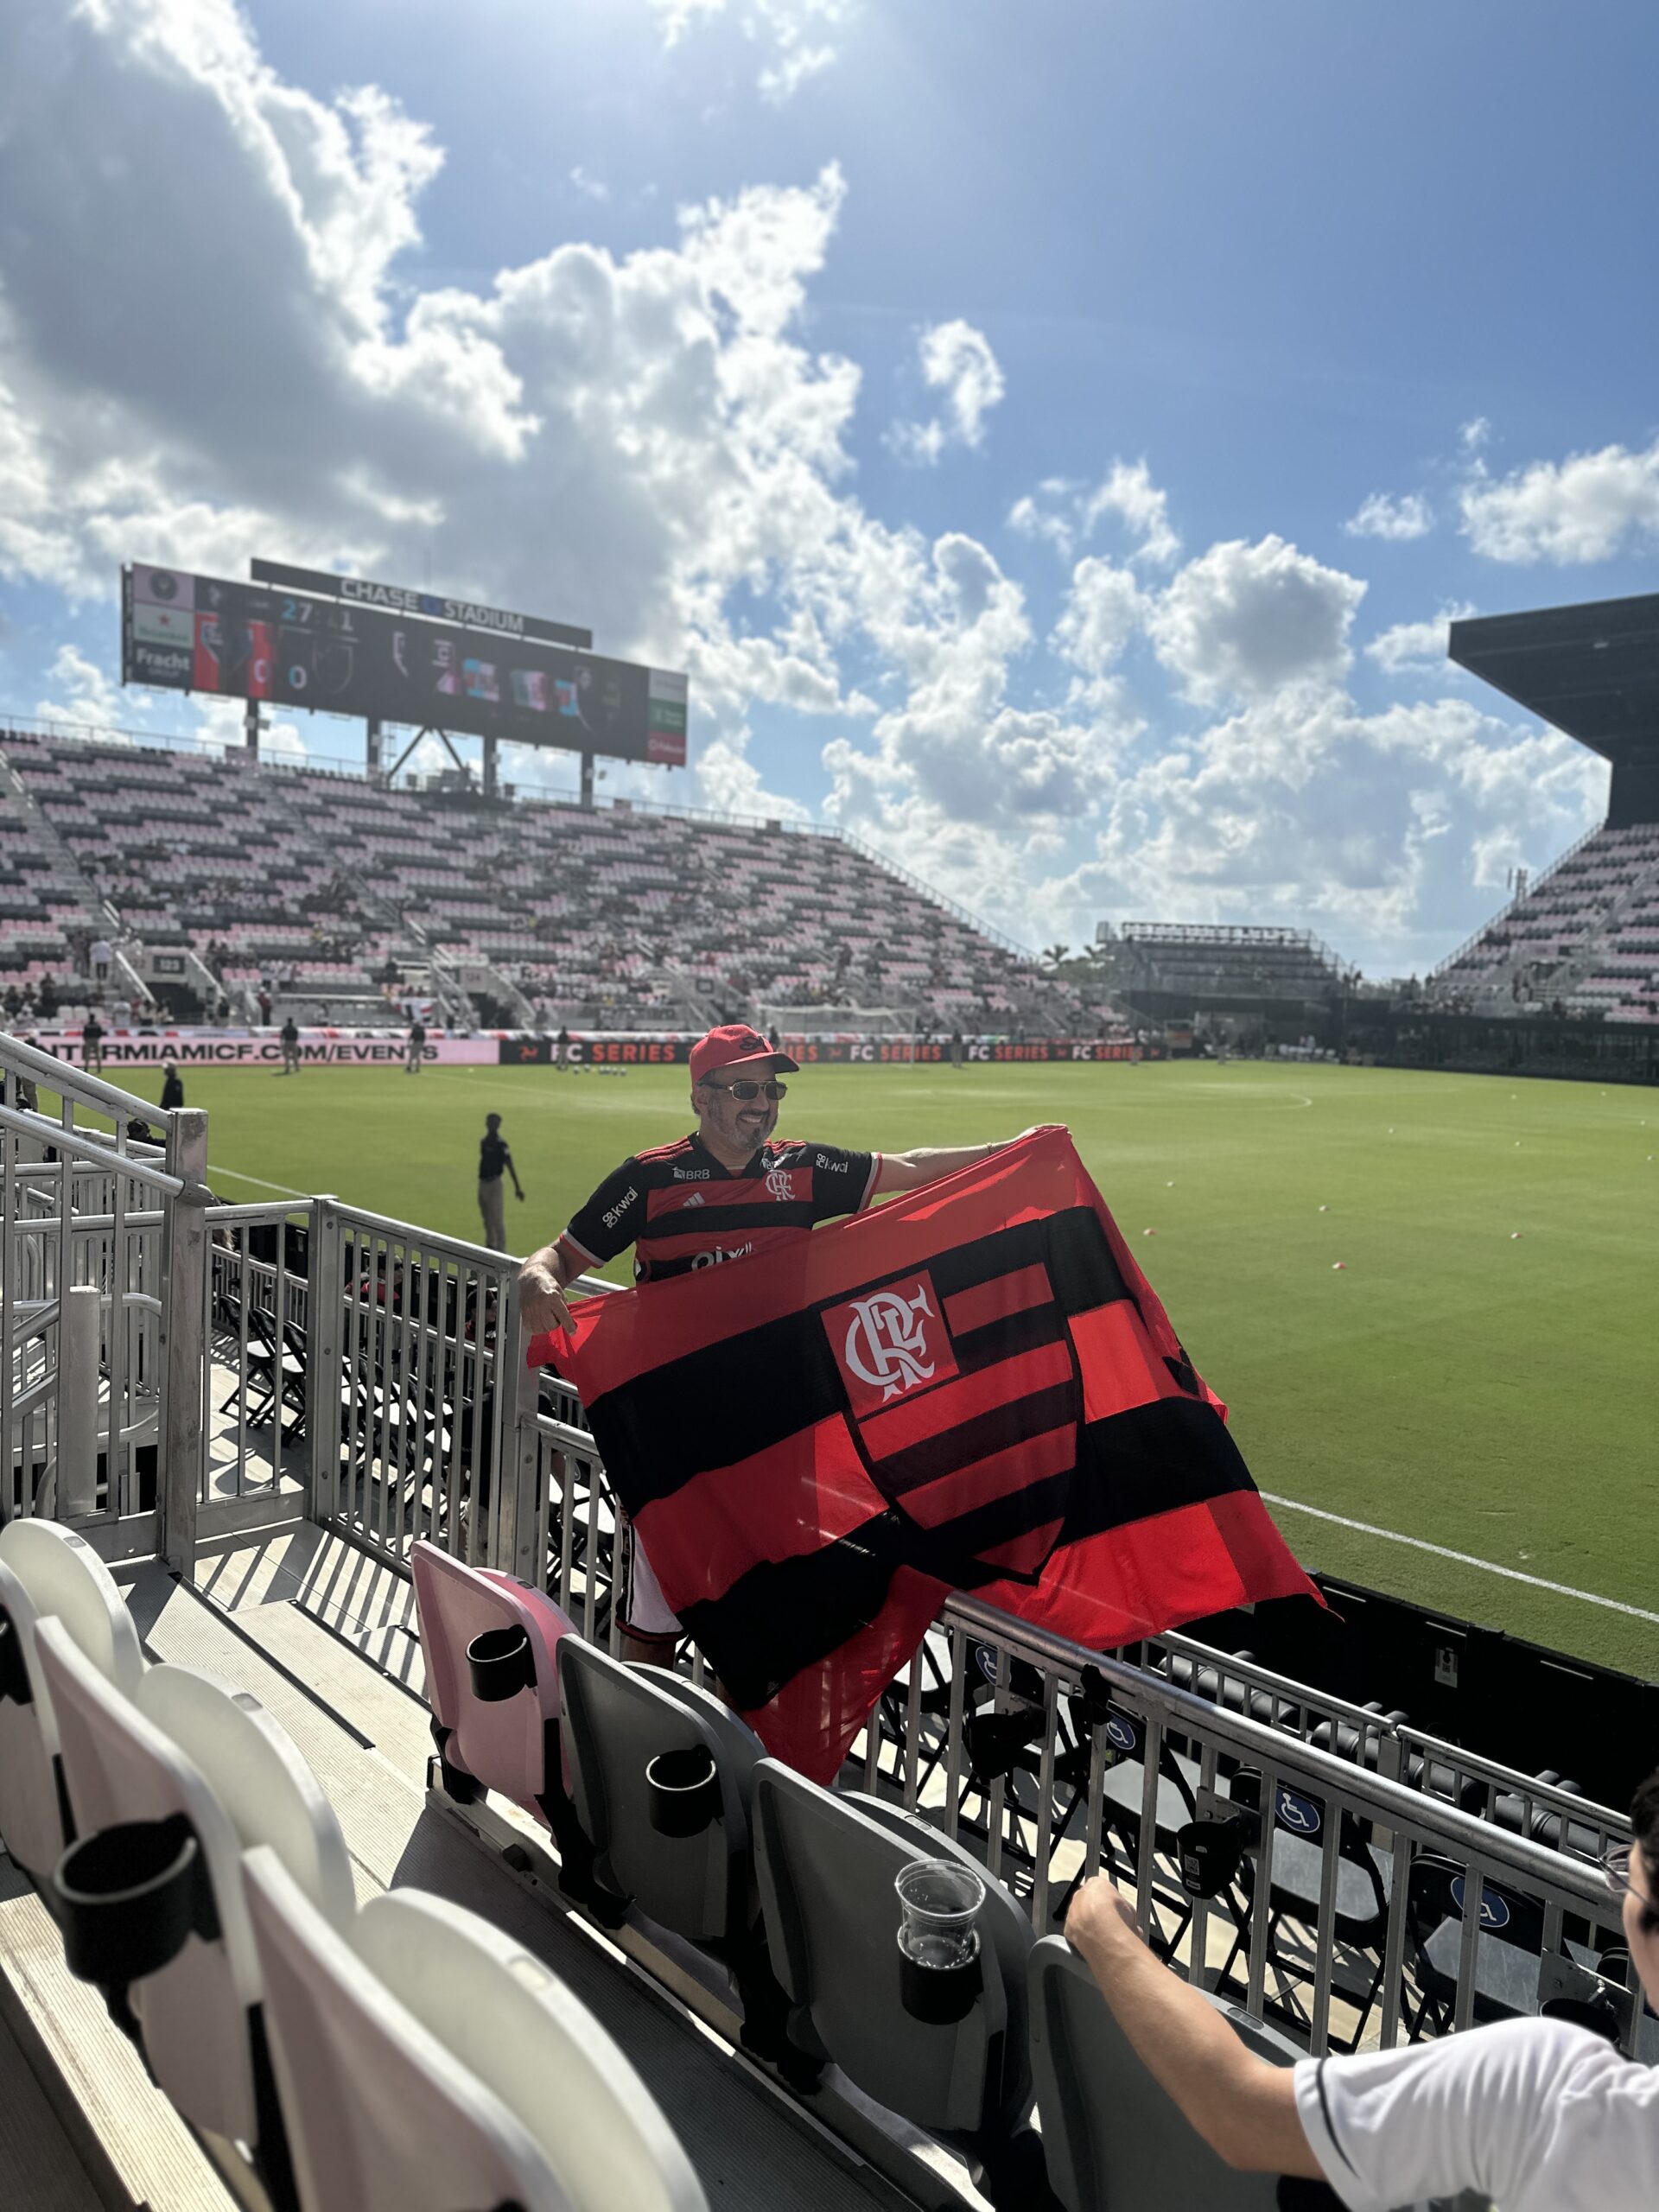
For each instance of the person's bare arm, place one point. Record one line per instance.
(1243, 2107)
(907, 1171)
(542, 1282)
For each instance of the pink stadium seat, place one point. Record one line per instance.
(490, 1644)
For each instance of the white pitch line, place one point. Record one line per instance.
(1463, 1559)
(259, 1183)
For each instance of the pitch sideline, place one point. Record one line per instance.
(1463, 1559)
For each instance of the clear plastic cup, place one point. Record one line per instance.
(940, 1901)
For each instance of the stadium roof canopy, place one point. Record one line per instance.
(1591, 670)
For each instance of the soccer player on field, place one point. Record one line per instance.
(725, 1190)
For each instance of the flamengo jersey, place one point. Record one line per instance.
(973, 1386)
(680, 1209)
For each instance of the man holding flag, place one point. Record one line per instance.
(973, 1387)
(725, 1193)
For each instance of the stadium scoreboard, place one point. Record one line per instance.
(334, 645)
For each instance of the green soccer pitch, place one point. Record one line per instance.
(1478, 1375)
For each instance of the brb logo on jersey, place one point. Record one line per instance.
(890, 1342)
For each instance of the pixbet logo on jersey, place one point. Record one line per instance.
(890, 1342)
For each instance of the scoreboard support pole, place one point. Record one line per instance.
(252, 726)
(372, 750)
(587, 781)
(489, 767)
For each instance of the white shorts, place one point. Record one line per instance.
(644, 1609)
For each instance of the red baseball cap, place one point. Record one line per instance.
(735, 1045)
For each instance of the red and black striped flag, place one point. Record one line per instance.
(972, 1388)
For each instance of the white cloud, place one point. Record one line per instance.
(1474, 435)
(1415, 645)
(1587, 507)
(81, 692)
(1381, 832)
(955, 361)
(1128, 492)
(1103, 609)
(589, 188)
(1066, 513)
(798, 37)
(1379, 515)
(1244, 621)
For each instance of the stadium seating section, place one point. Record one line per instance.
(603, 917)
(1228, 963)
(1584, 940)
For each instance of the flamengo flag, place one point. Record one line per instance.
(971, 1388)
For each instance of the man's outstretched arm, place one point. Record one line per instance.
(1243, 2107)
(907, 1171)
(542, 1282)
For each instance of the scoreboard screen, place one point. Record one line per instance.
(186, 632)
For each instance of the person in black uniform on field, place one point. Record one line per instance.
(494, 1158)
(290, 1036)
(172, 1089)
(416, 1051)
(91, 1043)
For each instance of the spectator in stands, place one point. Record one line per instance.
(172, 1089)
(92, 1044)
(416, 1050)
(101, 957)
(291, 1036)
(494, 1156)
(1540, 2115)
(692, 1204)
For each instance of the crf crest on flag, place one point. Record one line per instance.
(972, 1388)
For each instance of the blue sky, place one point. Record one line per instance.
(1052, 434)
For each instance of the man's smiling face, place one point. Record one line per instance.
(735, 1125)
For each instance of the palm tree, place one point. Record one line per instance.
(1053, 955)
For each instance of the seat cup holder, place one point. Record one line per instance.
(1210, 1852)
(1598, 2013)
(129, 1898)
(684, 1790)
(500, 1663)
(940, 1971)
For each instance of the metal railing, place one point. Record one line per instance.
(102, 1256)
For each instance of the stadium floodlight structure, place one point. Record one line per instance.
(1590, 670)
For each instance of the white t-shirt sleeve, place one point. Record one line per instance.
(1538, 2115)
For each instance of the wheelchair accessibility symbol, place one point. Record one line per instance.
(1300, 1813)
(1120, 1733)
(1494, 1909)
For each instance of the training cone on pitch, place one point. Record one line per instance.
(1336, 1266)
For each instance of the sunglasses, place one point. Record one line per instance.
(1617, 1867)
(746, 1091)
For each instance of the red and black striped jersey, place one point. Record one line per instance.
(680, 1209)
